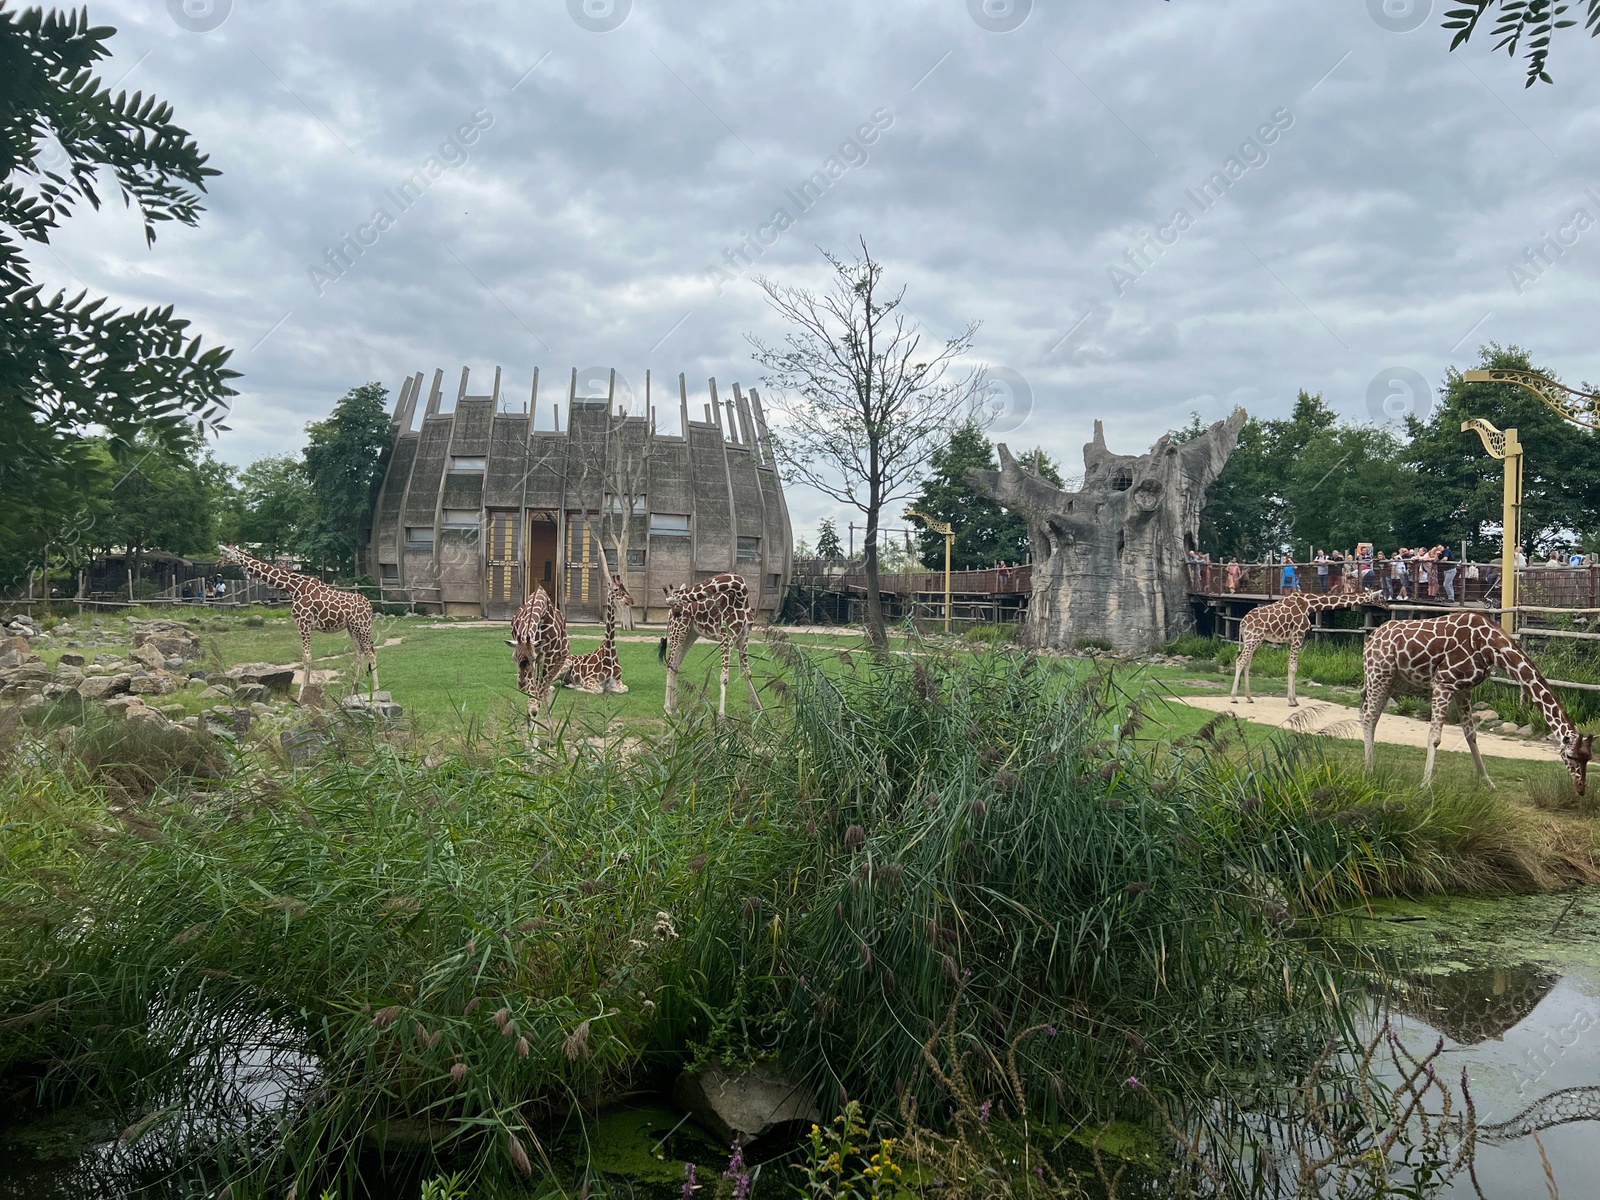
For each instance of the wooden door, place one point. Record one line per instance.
(542, 557)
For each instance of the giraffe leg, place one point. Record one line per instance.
(1294, 665)
(305, 661)
(722, 699)
(1241, 665)
(1441, 709)
(1373, 699)
(744, 663)
(1469, 730)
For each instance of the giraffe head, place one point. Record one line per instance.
(621, 593)
(675, 596)
(527, 663)
(228, 556)
(1576, 750)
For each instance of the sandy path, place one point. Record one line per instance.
(1337, 720)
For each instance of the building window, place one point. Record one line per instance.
(669, 525)
(468, 465)
(615, 503)
(635, 559)
(389, 573)
(749, 547)
(461, 518)
(611, 560)
(774, 582)
(419, 535)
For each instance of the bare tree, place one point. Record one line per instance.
(863, 405)
(624, 479)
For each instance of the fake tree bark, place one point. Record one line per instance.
(1110, 561)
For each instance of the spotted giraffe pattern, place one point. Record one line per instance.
(1449, 656)
(1285, 622)
(539, 644)
(599, 670)
(719, 608)
(316, 607)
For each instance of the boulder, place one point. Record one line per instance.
(125, 706)
(277, 679)
(102, 687)
(229, 719)
(156, 683)
(301, 743)
(149, 656)
(216, 692)
(14, 642)
(66, 673)
(251, 693)
(744, 1102)
(71, 659)
(172, 641)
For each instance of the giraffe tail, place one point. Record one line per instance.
(661, 651)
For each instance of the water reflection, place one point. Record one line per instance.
(1479, 1003)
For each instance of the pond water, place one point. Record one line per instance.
(1511, 984)
(1514, 989)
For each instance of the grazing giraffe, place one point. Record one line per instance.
(539, 644)
(1450, 656)
(719, 608)
(1286, 622)
(599, 671)
(316, 606)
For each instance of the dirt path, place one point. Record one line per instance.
(1336, 720)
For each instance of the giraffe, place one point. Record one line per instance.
(719, 608)
(539, 644)
(319, 607)
(599, 671)
(1452, 655)
(1286, 622)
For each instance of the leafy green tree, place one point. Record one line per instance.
(169, 499)
(1458, 489)
(1520, 24)
(1349, 484)
(828, 544)
(985, 532)
(274, 505)
(71, 367)
(345, 458)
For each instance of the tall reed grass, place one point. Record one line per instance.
(463, 950)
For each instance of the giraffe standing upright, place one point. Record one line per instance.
(599, 670)
(719, 608)
(319, 607)
(539, 644)
(1450, 656)
(1286, 622)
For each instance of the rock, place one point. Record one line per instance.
(101, 687)
(1507, 726)
(71, 659)
(157, 683)
(301, 743)
(174, 663)
(171, 711)
(251, 693)
(386, 711)
(1525, 730)
(260, 708)
(216, 692)
(66, 673)
(14, 643)
(744, 1102)
(149, 656)
(170, 639)
(277, 679)
(230, 719)
(124, 706)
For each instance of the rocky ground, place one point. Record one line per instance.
(156, 671)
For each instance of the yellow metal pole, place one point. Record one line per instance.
(949, 540)
(1511, 520)
(1503, 444)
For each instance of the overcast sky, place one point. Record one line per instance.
(624, 156)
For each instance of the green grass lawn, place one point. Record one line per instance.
(452, 677)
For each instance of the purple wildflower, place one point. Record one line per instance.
(688, 1181)
(1132, 1081)
(983, 1113)
(1050, 1029)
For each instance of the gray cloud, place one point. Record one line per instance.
(620, 165)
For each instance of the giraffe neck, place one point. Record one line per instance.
(1520, 667)
(271, 572)
(611, 620)
(1323, 603)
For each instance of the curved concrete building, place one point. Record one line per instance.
(479, 506)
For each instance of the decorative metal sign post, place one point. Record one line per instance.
(1504, 445)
